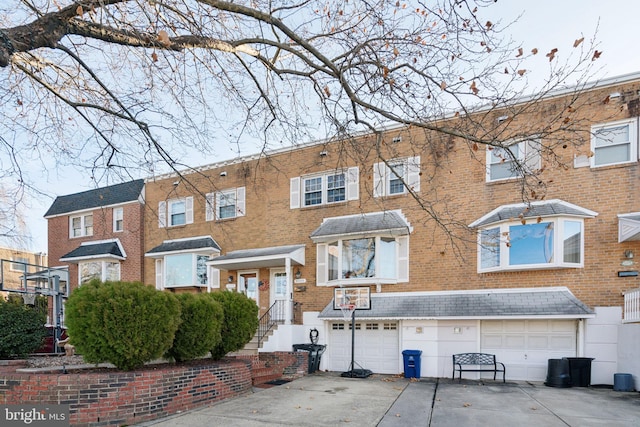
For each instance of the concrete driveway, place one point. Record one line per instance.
(326, 399)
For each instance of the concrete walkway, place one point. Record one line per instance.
(326, 399)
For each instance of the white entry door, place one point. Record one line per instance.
(525, 346)
(278, 293)
(248, 282)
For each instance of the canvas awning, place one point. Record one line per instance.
(275, 256)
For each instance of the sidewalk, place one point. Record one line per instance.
(326, 399)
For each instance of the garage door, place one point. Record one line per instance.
(376, 347)
(525, 346)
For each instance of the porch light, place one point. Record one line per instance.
(230, 279)
(298, 274)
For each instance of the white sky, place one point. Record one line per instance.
(545, 24)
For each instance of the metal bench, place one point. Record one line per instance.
(480, 362)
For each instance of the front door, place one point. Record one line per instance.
(279, 293)
(249, 285)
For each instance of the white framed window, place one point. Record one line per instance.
(541, 243)
(19, 264)
(118, 220)
(325, 188)
(185, 270)
(225, 204)
(175, 212)
(103, 270)
(352, 261)
(81, 225)
(513, 160)
(397, 176)
(614, 143)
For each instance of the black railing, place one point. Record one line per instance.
(274, 316)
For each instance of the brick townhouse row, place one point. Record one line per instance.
(441, 244)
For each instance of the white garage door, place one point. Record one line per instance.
(376, 347)
(525, 346)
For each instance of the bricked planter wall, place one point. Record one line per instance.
(118, 398)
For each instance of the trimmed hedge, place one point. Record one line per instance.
(200, 330)
(240, 322)
(123, 323)
(22, 331)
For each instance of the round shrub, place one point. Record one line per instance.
(22, 330)
(240, 322)
(123, 323)
(200, 328)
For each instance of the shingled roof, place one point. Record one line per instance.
(105, 196)
(488, 304)
(101, 249)
(540, 209)
(362, 224)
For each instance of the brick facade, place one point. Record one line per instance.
(442, 258)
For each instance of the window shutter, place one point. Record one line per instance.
(189, 209)
(353, 183)
(240, 204)
(379, 172)
(214, 278)
(403, 259)
(413, 173)
(209, 208)
(216, 211)
(294, 202)
(533, 157)
(321, 264)
(162, 214)
(159, 275)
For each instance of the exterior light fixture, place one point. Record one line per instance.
(298, 274)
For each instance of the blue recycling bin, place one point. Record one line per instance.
(411, 363)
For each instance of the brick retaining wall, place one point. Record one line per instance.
(114, 397)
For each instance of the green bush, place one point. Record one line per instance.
(200, 329)
(126, 324)
(240, 322)
(22, 330)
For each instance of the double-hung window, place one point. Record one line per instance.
(512, 160)
(225, 204)
(81, 225)
(185, 270)
(325, 188)
(118, 219)
(175, 212)
(532, 242)
(396, 176)
(614, 143)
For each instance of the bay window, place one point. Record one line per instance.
(100, 270)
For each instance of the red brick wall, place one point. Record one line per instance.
(124, 398)
(131, 269)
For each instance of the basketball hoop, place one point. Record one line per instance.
(347, 311)
(29, 298)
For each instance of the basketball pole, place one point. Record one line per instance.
(353, 341)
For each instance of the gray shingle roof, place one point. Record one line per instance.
(259, 252)
(533, 210)
(109, 249)
(503, 303)
(105, 196)
(388, 221)
(180, 245)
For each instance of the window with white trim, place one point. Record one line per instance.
(512, 161)
(325, 188)
(19, 264)
(185, 270)
(396, 176)
(175, 212)
(536, 244)
(103, 270)
(379, 259)
(225, 204)
(614, 143)
(118, 219)
(81, 225)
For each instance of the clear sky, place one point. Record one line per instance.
(544, 24)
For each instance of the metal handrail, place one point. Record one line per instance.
(274, 316)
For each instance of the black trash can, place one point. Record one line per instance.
(315, 353)
(411, 363)
(580, 371)
(558, 373)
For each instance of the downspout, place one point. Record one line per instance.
(580, 339)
